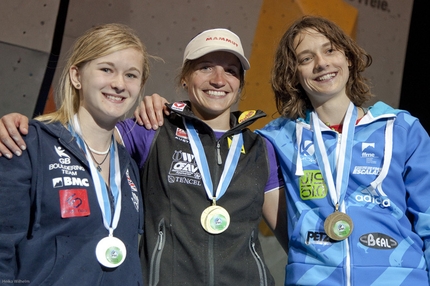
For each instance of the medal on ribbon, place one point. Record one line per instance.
(214, 219)
(338, 225)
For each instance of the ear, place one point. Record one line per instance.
(75, 77)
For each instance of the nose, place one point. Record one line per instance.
(118, 84)
(218, 77)
(320, 63)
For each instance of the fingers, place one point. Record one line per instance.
(11, 141)
(159, 105)
(149, 112)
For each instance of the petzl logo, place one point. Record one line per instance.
(318, 237)
(378, 240)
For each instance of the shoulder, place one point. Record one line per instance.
(277, 126)
(383, 110)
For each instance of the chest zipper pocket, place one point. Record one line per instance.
(258, 260)
(154, 271)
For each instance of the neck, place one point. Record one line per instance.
(333, 112)
(216, 122)
(98, 138)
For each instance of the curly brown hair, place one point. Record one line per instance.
(291, 99)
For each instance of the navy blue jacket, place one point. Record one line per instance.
(37, 245)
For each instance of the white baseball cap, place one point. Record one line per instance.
(215, 40)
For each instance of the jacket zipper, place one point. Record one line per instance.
(259, 262)
(154, 270)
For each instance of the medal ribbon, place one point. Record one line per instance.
(202, 163)
(338, 191)
(101, 189)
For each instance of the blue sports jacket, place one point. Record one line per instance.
(387, 197)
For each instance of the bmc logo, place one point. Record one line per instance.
(69, 181)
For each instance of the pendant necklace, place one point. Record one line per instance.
(106, 153)
(338, 225)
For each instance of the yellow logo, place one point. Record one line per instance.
(246, 115)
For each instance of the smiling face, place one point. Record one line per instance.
(110, 84)
(214, 85)
(322, 69)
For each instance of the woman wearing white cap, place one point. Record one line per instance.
(205, 176)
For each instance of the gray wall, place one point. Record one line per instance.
(166, 26)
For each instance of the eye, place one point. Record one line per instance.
(131, 75)
(305, 60)
(331, 50)
(233, 72)
(108, 70)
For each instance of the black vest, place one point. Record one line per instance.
(176, 250)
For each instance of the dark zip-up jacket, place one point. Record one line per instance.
(37, 245)
(176, 250)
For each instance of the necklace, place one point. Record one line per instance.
(99, 168)
(98, 152)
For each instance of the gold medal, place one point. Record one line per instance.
(338, 225)
(215, 219)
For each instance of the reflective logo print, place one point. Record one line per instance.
(69, 181)
(366, 152)
(368, 198)
(318, 237)
(184, 169)
(134, 197)
(378, 240)
(64, 158)
(366, 170)
(312, 185)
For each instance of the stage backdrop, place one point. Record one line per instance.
(29, 51)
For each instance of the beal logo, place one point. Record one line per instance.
(378, 240)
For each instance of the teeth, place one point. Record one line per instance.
(215, 92)
(326, 77)
(116, 98)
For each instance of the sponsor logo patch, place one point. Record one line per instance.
(318, 237)
(378, 241)
(312, 185)
(74, 203)
(179, 106)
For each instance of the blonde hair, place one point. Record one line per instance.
(97, 42)
(291, 99)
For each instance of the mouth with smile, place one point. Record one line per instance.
(114, 98)
(216, 93)
(325, 77)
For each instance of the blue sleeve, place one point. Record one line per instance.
(15, 209)
(275, 176)
(137, 139)
(417, 182)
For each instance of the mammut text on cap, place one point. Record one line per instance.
(215, 40)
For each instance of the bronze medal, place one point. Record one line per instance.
(338, 226)
(215, 219)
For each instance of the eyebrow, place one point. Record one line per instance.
(113, 65)
(327, 44)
